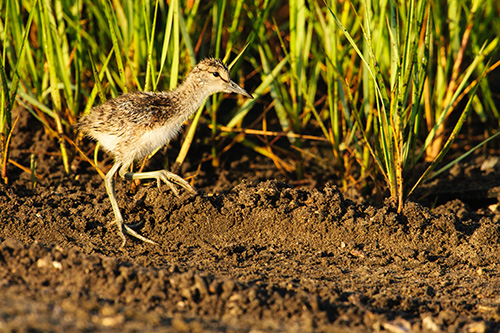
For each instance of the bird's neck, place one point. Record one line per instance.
(190, 96)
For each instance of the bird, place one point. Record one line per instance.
(133, 125)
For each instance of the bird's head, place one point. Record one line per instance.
(213, 76)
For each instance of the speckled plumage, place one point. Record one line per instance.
(120, 123)
(133, 125)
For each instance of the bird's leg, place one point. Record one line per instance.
(167, 177)
(109, 181)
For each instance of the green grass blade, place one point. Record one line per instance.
(188, 43)
(150, 38)
(460, 88)
(238, 56)
(461, 157)
(116, 44)
(458, 126)
(54, 80)
(97, 80)
(98, 89)
(20, 57)
(186, 144)
(166, 40)
(218, 17)
(174, 70)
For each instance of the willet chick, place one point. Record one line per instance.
(133, 125)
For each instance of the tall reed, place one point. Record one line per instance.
(384, 86)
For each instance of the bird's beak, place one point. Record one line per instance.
(233, 87)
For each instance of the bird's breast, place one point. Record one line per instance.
(155, 138)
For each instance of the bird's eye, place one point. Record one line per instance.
(216, 74)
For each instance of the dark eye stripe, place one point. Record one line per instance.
(216, 74)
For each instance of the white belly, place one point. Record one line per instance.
(154, 139)
(132, 146)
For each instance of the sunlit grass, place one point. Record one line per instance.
(386, 86)
(400, 60)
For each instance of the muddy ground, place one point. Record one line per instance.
(249, 253)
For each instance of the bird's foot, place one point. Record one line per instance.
(124, 229)
(133, 233)
(165, 176)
